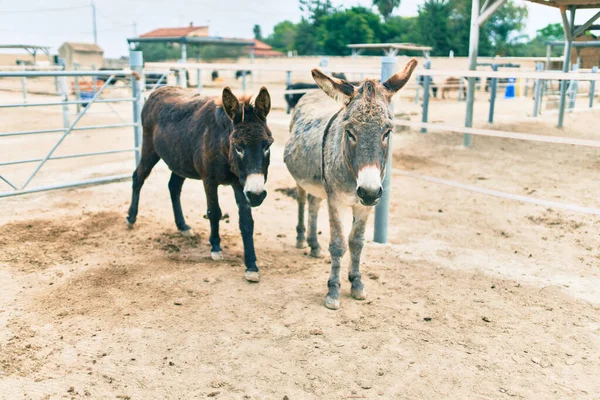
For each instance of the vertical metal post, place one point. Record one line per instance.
(288, 78)
(493, 92)
(568, 28)
(182, 76)
(94, 80)
(94, 23)
(419, 80)
(388, 67)
(473, 50)
(136, 62)
(593, 87)
(244, 81)
(64, 89)
(539, 84)
(426, 91)
(77, 89)
(24, 88)
(573, 89)
(183, 52)
(199, 80)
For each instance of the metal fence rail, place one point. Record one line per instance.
(69, 127)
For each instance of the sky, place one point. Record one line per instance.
(51, 23)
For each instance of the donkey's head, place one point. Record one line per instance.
(249, 142)
(367, 123)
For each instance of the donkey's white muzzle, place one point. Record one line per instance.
(255, 190)
(368, 185)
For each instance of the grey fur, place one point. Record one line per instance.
(328, 146)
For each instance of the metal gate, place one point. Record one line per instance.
(69, 127)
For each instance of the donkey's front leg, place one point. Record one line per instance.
(247, 230)
(214, 216)
(337, 248)
(356, 241)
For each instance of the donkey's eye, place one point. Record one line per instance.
(386, 136)
(351, 136)
(239, 151)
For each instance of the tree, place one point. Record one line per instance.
(386, 7)
(257, 32)
(283, 37)
(504, 26)
(551, 32)
(354, 25)
(433, 25)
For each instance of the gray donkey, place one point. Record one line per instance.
(340, 154)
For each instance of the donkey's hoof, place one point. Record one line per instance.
(188, 233)
(129, 224)
(300, 244)
(358, 293)
(315, 253)
(252, 276)
(216, 255)
(331, 303)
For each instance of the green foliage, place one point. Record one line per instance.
(257, 32)
(441, 24)
(283, 37)
(386, 7)
(154, 52)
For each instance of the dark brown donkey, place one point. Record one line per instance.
(222, 142)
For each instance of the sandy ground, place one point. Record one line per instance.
(474, 297)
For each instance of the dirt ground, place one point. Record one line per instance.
(475, 297)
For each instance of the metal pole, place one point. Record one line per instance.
(199, 80)
(244, 81)
(136, 62)
(77, 89)
(593, 87)
(388, 67)
(493, 92)
(539, 84)
(568, 27)
(288, 82)
(64, 90)
(419, 79)
(182, 77)
(473, 49)
(183, 52)
(94, 22)
(426, 85)
(94, 80)
(573, 89)
(24, 87)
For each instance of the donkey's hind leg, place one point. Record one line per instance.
(148, 161)
(356, 241)
(313, 212)
(301, 228)
(175, 185)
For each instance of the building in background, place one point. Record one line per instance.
(86, 54)
(263, 50)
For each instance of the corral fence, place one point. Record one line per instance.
(159, 72)
(70, 126)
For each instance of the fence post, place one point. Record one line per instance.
(539, 84)
(244, 81)
(136, 62)
(388, 67)
(64, 91)
(94, 80)
(24, 87)
(426, 91)
(199, 80)
(593, 87)
(77, 89)
(419, 80)
(493, 92)
(573, 89)
(288, 82)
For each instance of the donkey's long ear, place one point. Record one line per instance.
(337, 89)
(262, 104)
(231, 105)
(397, 81)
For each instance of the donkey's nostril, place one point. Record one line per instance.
(360, 192)
(379, 192)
